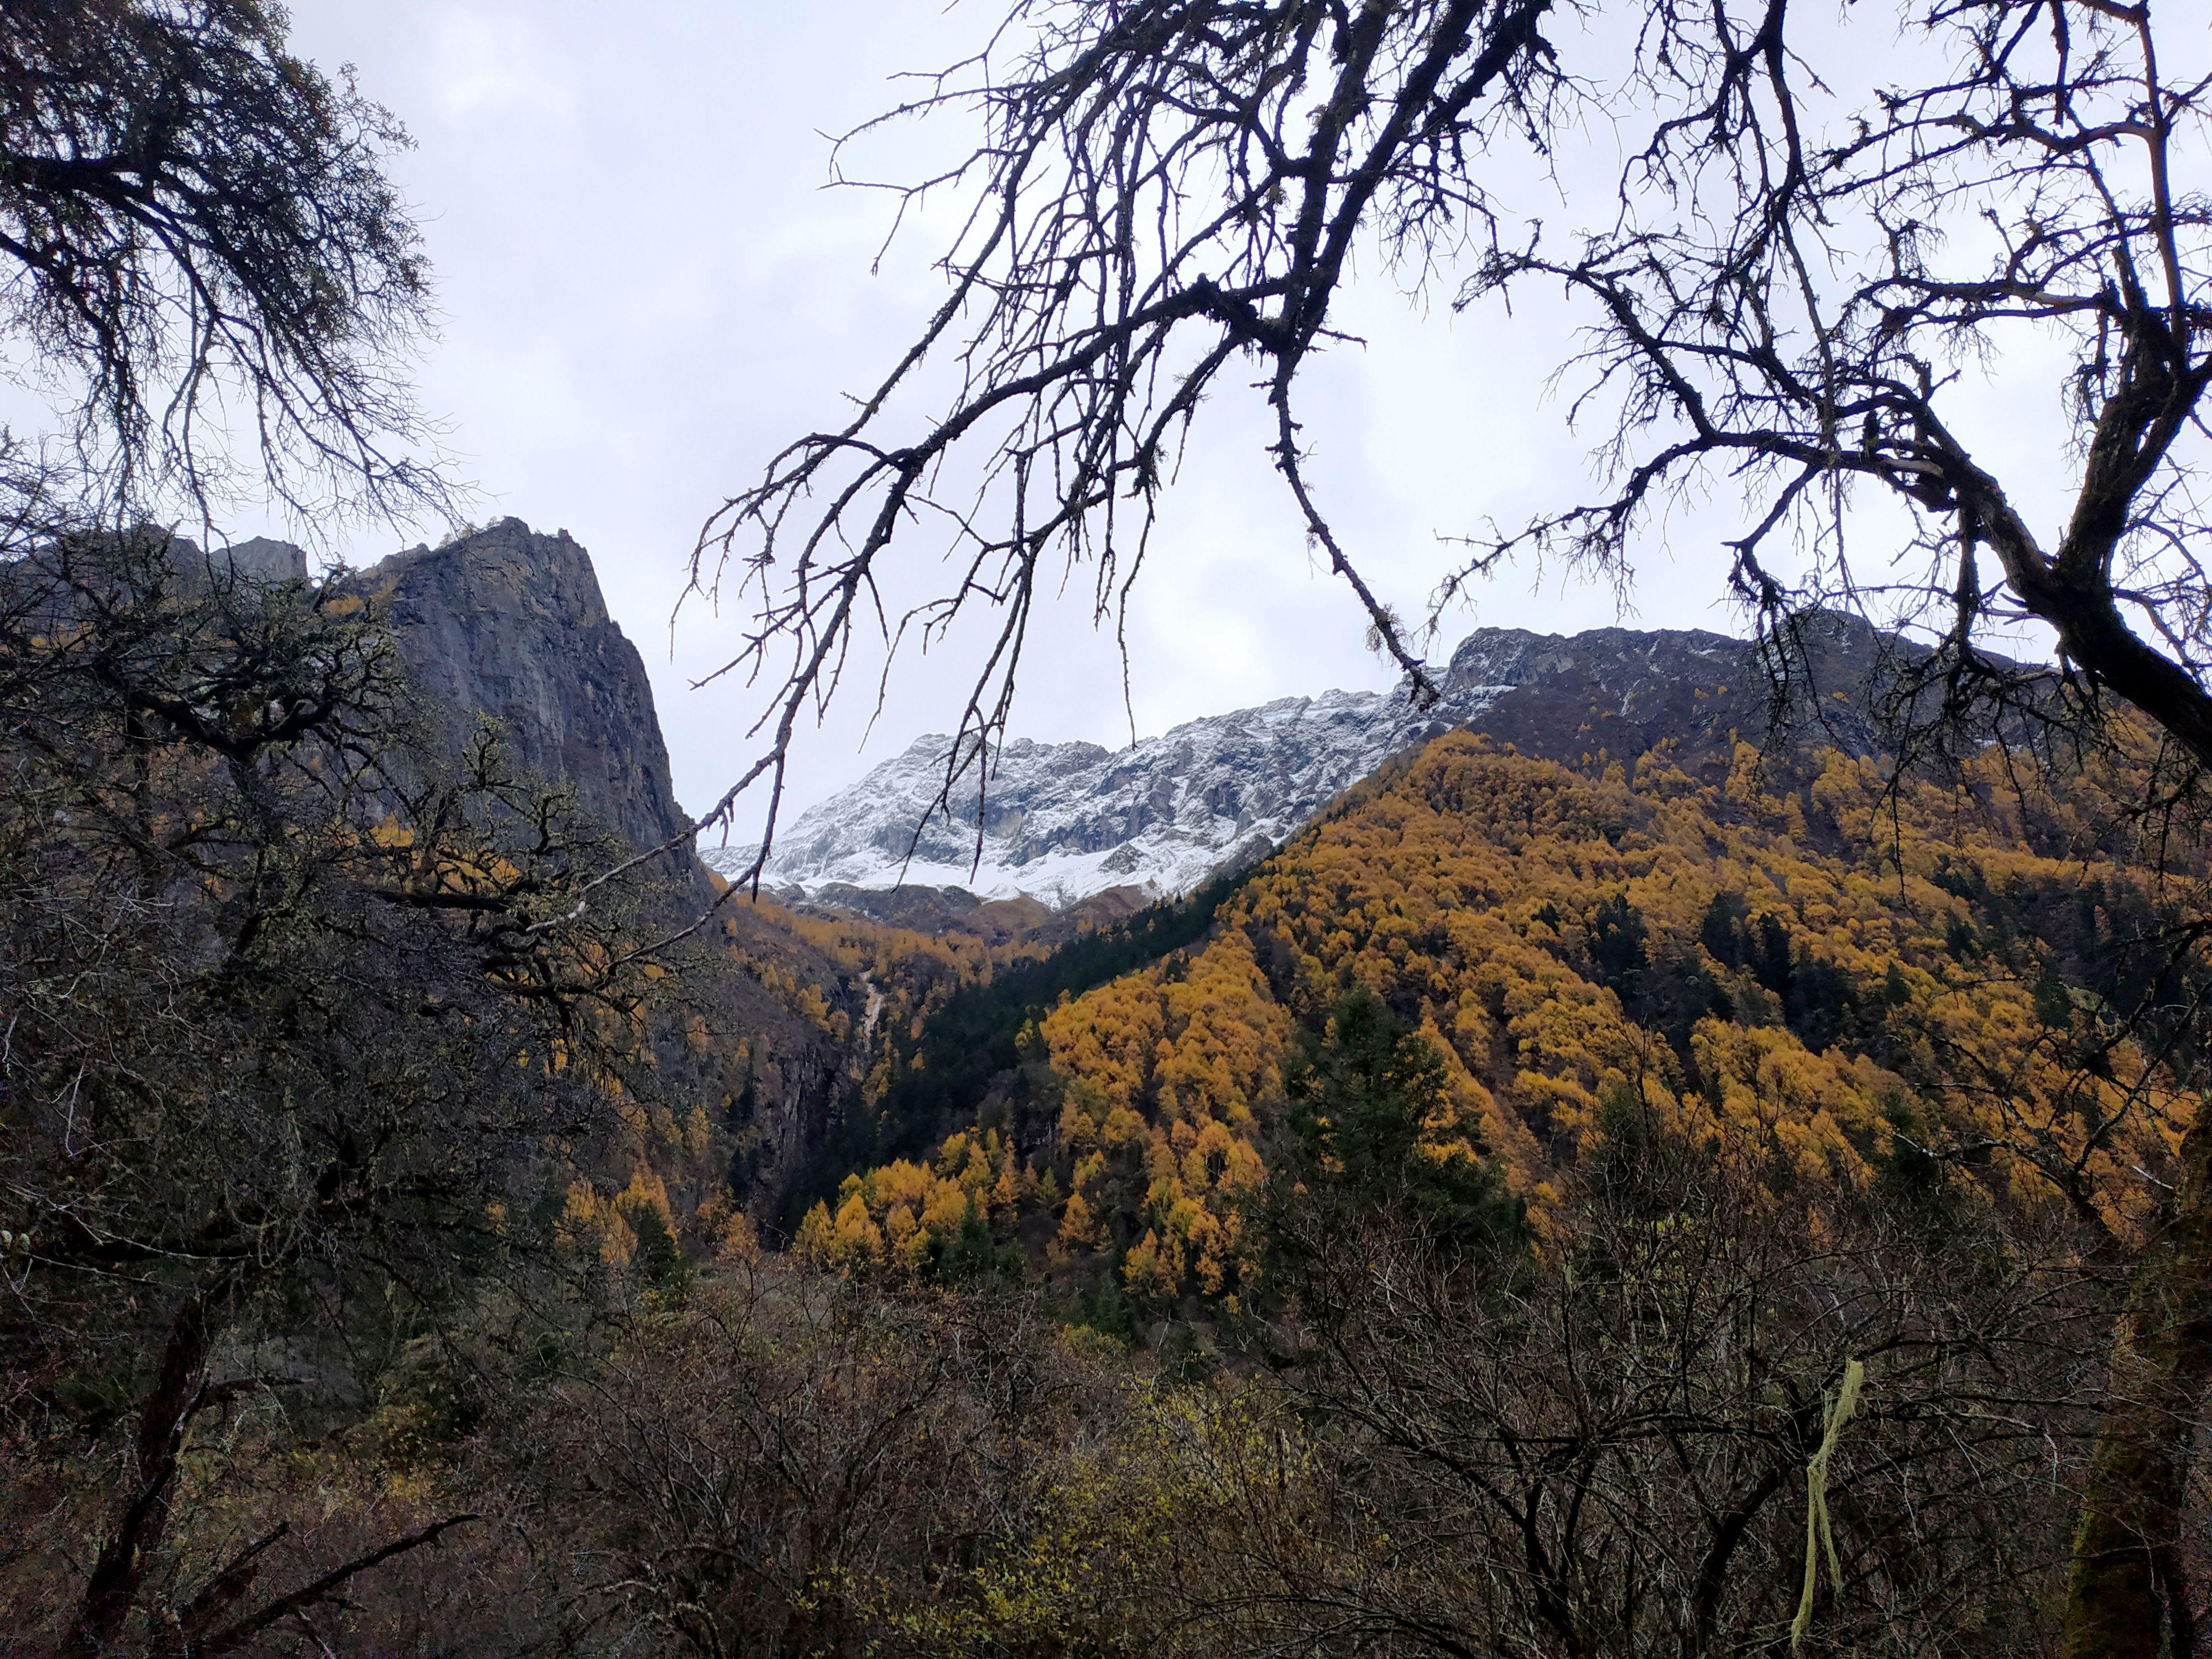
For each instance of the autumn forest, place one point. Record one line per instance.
(1706, 1151)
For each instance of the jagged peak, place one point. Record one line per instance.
(548, 574)
(1063, 821)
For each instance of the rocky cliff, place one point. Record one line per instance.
(510, 623)
(748, 1039)
(1062, 822)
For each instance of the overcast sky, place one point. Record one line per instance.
(646, 289)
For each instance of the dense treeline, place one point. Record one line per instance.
(956, 1035)
(1852, 968)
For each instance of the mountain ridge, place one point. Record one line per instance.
(1062, 823)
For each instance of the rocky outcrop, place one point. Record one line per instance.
(1621, 692)
(509, 623)
(1059, 823)
(260, 561)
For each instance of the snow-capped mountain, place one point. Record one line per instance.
(1063, 821)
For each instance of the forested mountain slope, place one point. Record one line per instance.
(1784, 958)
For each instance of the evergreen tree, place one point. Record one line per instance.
(1368, 1101)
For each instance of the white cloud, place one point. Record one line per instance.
(493, 64)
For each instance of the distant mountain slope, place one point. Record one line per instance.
(1796, 966)
(1065, 821)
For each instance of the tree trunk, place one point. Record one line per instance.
(119, 1571)
(2125, 1566)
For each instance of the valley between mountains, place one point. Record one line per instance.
(1594, 879)
(1143, 1204)
(1634, 1144)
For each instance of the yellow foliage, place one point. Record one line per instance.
(1473, 892)
(589, 1220)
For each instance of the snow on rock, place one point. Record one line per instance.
(1062, 821)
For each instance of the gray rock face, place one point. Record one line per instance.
(259, 563)
(510, 623)
(260, 560)
(1061, 822)
(1622, 693)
